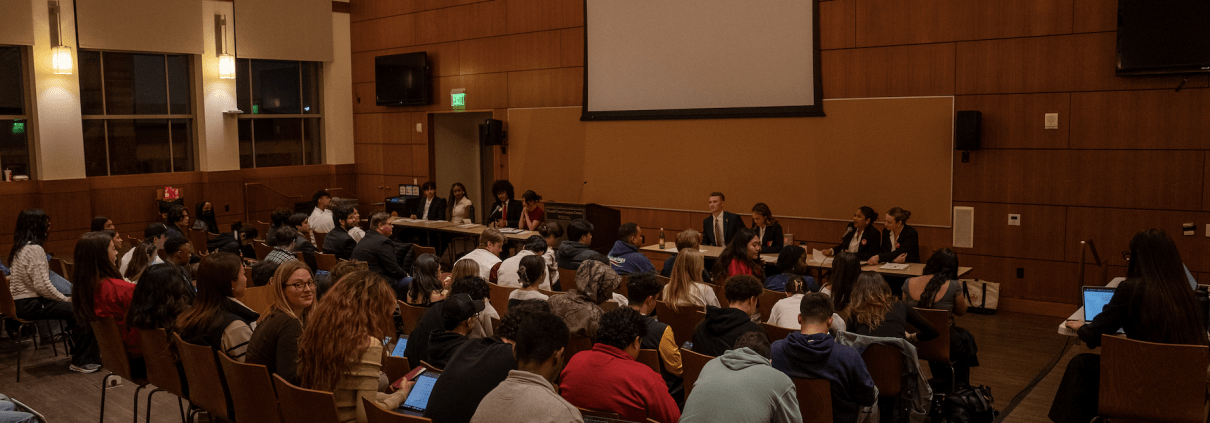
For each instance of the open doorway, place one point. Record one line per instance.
(459, 157)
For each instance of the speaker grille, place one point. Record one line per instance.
(964, 227)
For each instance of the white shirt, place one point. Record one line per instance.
(427, 203)
(321, 221)
(507, 274)
(700, 294)
(785, 314)
(552, 267)
(484, 258)
(855, 243)
(357, 234)
(458, 215)
(523, 295)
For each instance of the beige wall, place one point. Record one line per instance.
(57, 147)
(338, 96)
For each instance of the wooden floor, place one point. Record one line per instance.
(1013, 350)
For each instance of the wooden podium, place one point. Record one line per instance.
(605, 221)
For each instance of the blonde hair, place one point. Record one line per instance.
(688, 238)
(870, 300)
(491, 236)
(464, 268)
(278, 282)
(686, 271)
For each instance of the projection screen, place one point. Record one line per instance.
(700, 59)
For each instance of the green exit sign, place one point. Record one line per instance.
(255, 109)
(458, 99)
(18, 127)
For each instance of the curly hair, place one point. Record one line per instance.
(359, 307)
(516, 315)
(742, 287)
(338, 272)
(280, 303)
(159, 298)
(871, 300)
(619, 328)
(474, 286)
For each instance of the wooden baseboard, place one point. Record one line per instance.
(1041, 308)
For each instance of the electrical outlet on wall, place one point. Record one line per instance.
(1052, 121)
(1014, 219)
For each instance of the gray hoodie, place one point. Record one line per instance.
(740, 386)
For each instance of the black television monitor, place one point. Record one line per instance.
(1163, 37)
(401, 79)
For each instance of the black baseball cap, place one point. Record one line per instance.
(458, 308)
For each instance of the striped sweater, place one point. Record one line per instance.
(31, 275)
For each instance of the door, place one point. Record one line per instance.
(459, 158)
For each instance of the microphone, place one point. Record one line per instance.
(847, 232)
(581, 194)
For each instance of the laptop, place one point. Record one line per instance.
(1095, 299)
(418, 399)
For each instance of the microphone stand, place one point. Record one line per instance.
(1086, 246)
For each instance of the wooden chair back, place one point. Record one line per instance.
(262, 250)
(495, 324)
(814, 399)
(262, 230)
(499, 297)
(777, 333)
(325, 262)
(548, 293)
(430, 367)
(161, 365)
(425, 250)
(885, 364)
(62, 267)
(375, 414)
(651, 358)
(200, 241)
(721, 293)
(937, 349)
(113, 349)
(319, 240)
(8, 306)
(622, 286)
(251, 391)
(567, 279)
(683, 321)
(598, 413)
(575, 344)
(207, 389)
(765, 303)
(248, 275)
(1130, 388)
(691, 367)
(299, 256)
(610, 305)
(395, 367)
(259, 298)
(304, 405)
(411, 315)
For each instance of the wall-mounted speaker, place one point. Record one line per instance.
(491, 132)
(967, 130)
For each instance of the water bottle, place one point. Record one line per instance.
(661, 238)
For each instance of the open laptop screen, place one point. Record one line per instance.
(1095, 299)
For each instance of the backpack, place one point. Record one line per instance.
(968, 404)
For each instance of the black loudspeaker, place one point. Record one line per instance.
(967, 126)
(491, 132)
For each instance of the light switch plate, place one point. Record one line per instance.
(1189, 229)
(1014, 220)
(1052, 121)
(419, 128)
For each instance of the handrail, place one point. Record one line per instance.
(330, 190)
(247, 212)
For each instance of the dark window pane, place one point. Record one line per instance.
(12, 95)
(310, 87)
(278, 142)
(245, 143)
(182, 146)
(138, 146)
(312, 149)
(243, 92)
(275, 87)
(178, 84)
(96, 160)
(14, 146)
(91, 99)
(135, 84)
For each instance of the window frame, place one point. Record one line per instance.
(302, 117)
(27, 97)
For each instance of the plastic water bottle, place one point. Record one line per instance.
(661, 238)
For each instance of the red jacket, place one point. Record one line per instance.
(113, 297)
(607, 379)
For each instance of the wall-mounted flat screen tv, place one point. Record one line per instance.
(402, 79)
(1163, 37)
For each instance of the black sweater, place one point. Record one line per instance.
(274, 344)
(895, 323)
(473, 372)
(718, 332)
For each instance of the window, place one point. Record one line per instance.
(281, 124)
(137, 113)
(14, 116)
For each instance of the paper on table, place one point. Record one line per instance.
(468, 225)
(817, 255)
(895, 266)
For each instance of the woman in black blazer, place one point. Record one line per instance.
(868, 241)
(767, 228)
(900, 242)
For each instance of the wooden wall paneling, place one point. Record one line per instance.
(227, 198)
(1080, 62)
(837, 19)
(1146, 120)
(1040, 235)
(901, 71)
(13, 205)
(460, 23)
(368, 157)
(397, 160)
(1049, 281)
(1017, 120)
(369, 189)
(1105, 178)
(652, 220)
(421, 136)
(367, 128)
(498, 153)
(572, 44)
(442, 58)
(546, 88)
(420, 160)
(360, 10)
(384, 33)
(483, 91)
(1096, 15)
(363, 99)
(534, 50)
(1014, 18)
(397, 128)
(890, 22)
(540, 15)
(1206, 187)
(1112, 228)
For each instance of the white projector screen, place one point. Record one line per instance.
(700, 59)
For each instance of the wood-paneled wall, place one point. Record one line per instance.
(1129, 154)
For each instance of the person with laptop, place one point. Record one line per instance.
(528, 394)
(740, 386)
(1153, 304)
(458, 316)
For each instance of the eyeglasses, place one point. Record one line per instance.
(302, 285)
(1126, 255)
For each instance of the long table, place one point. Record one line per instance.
(455, 228)
(710, 251)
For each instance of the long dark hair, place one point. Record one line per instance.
(737, 249)
(91, 265)
(207, 218)
(159, 298)
(424, 280)
(214, 277)
(943, 265)
(139, 259)
(1168, 307)
(32, 228)
(845, 270)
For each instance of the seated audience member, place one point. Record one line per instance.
(720, 222)
(99, 292)
(528, 394)
(939, 289)
(354, 226)
(687, 239)
(684, 288)
(506, 273)
(159, 298)
(767, 229)
(900, 242)
(845, 271)
(607, 377)
(461, 210)
(262, 272)
(642, 290)
(743, 375)
(533, 215)
(479, 290)
(380, 252)
(574, 251)
(177, 221)
(433, 320)
(791, 262)
(861, 237)
(340, 350)
(625, 257)
(338, 242)
(722, 326)
(305, 242)
(1153, 304)
(204, 218)
(741, 257)
(320, 219)
(462, 268)
(551, 231)
(177, 251)
(458, 314)
(491, 242)
(811, 353)
(874, 311)
(238, 241)
(9, 413)
(153, 235)
(430, 206)
(102, 223)
(217, 319)
(425, 287)
(274, 344)
(338, 272)
(506, 211)
(277, 220)
(580, 307)
(530, 273)
(785, 311)
(141, 260)
(283, 249)
(477, 368)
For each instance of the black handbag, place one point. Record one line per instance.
(969, 404)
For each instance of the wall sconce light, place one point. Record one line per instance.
(226, 61)
(60, 54)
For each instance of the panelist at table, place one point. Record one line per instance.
(506, 211)
(767, 229)
(719, 222)
(860, 238)
(430, 206)
(900, 242)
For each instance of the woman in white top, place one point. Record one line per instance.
(529, 273)
(461, 208)
(686, 287)
(785, 312)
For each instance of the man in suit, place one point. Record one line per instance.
(382, 254)
(338, 242)
(506, 211)
(430, 207)
(728, 222)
